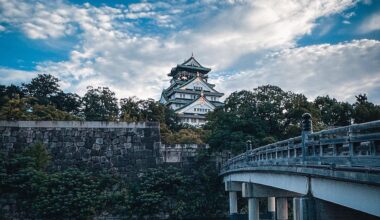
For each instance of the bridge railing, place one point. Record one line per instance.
(351, 146)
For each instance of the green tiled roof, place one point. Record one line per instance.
(190, 64)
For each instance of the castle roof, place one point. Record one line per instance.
(190, 64)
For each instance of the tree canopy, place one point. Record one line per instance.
(268, 114)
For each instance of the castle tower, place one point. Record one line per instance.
(189, 93)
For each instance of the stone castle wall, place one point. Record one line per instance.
(117, 147)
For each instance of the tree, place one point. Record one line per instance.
(100, 104)
(68, 102)
(250, 115)
(333, 113)
(10, 92)
(203, 194)
(161, 190)
(40, 155)
(59, 195)
(24, 109)
(265, 115)
(43, 87)
(134, 109)
(129, 109)
(364, 110)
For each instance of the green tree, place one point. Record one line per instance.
(24, 109)
(40, 155)
(100, 104)
(10, 92)
(364, 110)
(134, 109)
(43, 87)
(61, 195)
(265, 115)
(161, 190)
(68, 102)
(333, 113)
(129, 109)
(204, 191)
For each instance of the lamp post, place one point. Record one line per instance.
(248, 145)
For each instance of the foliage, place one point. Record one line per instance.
(24, 109)
(46, 91)
(268, 114)
(43, 90)
(134, 109)
(100, 104)
(10, 92)
(264, 115)
(40, 155)
(333, 113)
(172, 132)
(364, 110)
(68, 102)
(68, 194)
(184, 136)
(204, 192)
(161, 190)
(181, 195)
(43, 87)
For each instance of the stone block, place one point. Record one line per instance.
(96, 147)
(103, 159)
(68, 155)
(8, 146)
(12, 139)
(115, 141)
(99, 140)
(109, 153)
(7, 132)
(128, 145)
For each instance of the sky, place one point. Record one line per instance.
(314, 47)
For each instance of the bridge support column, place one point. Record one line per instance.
(233, 188)
(303, 208)
(233, 202)
(272, 207)
(253, 209)
(282, 209)
(253, 202)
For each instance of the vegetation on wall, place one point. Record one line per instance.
(80, 194)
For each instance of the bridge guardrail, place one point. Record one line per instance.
(354, 146)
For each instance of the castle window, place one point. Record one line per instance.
(197, 88)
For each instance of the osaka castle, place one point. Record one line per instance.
(190, 94)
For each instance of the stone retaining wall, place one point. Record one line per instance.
(118, 147)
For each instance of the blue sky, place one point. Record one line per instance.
(316, 47)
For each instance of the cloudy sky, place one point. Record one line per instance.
(316, 47)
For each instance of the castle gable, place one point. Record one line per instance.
(197, 84)
(199, 106)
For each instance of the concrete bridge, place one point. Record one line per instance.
(330, 174)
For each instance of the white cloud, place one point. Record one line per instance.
(370, 24)
(120, 50)
(342, 71)
(38, 20)
(2, 28)
(12, 76)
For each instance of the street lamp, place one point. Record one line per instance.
(249, 145)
